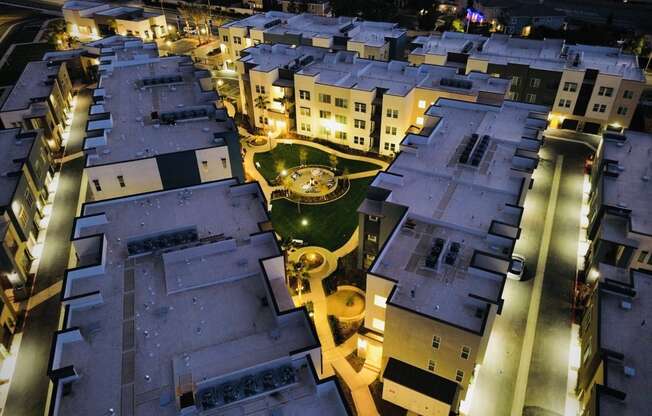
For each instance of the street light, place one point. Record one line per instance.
(304, 222)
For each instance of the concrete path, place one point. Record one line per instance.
(28, 391)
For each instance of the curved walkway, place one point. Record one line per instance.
(358, 382)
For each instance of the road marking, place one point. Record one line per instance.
(535, 301)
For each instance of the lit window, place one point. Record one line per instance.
(419, 121)
(436, 341)
(379, 324)
(380, 301)
(422, 104)
(466, 352)
(459, 376)
(372, 238)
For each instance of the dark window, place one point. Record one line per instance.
(96, 183)
(121, 181)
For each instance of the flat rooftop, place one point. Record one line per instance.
(198, 311)
(314, 26)
(138, 97)
(459, 202)
(79, 5)
(546, 54)
(32, 83)
(11, 149)
(345, 69)
(631, 188)
(623, 327)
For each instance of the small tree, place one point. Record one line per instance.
(262, 103)
(332, 159)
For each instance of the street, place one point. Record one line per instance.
(29, 386)
(525, 369)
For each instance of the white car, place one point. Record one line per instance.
(516, 267)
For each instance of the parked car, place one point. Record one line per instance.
(516, 267)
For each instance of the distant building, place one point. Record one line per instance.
(317, 7)
(178, 304)
(40, 100)
(336, 96)
(372, 40)
(155, 123)
(521, 20)
(587, 87)
(437, 231)
(89, 20)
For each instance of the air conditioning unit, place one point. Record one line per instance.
(625, 305)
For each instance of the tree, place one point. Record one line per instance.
(332, 159)
(262, 103)
(303, 155)
(198, 15)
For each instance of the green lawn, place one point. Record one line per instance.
(286, 156)
(328, 225)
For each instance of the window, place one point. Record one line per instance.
(324, 98)
(530, 98)
(466, 352)
(305, 127)
(392, 113)
(237, 40)
(380, 301)
(436, 341)
(372, 237)
(304, 111)
(96, 184)
(605, 91)
(642, 256)
(225, 38)
(390, 130)
(390, 146)
(121, 180)
(260, 89)
(599, 108)
(29, 199)
(223, 159)
(324, 114)
(570, 86)
(459, 376)
(422, 104)
(358, 140)
(340, 119)
(340, 135)
(359, 124)
(431, 365)
(622, 110)
(565, 103)
(379, 324)
(419, 121)
(325, 131)
(373, 218)
(628, 94)
(360, 107)
(341, 102)
(304, 95)
(535, 82)
(516, 81)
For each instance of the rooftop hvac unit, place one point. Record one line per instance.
(625, 305)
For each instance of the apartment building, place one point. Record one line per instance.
(316, 7)
(155, 123)
(89, 20)
(372, 40)
(437, 231)
(27, 182)
(620, 204)
(364, 104)
(40, 100)
(588, 87)
(206, 324)
(615, 366)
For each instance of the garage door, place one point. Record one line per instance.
(591, 128)
(569, 124)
